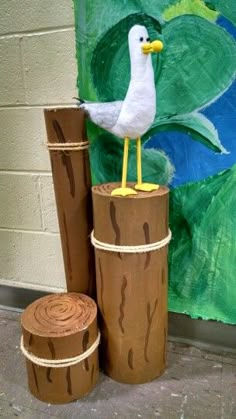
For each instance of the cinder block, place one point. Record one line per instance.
(50, 67)
(31, 259)
(23, 138)
(20, 202)
(27, 15)
(49, 212)
(11, 79)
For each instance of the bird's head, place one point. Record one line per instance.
(140, 44)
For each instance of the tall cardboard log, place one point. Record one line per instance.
(72, 185)
(132, 287)
(61, 326)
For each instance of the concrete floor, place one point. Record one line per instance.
(197, 384)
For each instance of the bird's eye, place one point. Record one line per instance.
(148, 39)
(141, 39)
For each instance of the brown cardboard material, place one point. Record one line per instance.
(132, 288)
(61, 326)
(72, 186)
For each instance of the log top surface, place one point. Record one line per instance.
(105, 189)
(59, 315)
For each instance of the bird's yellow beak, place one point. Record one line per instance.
(155, 46)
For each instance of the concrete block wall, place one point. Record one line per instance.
(38, 69)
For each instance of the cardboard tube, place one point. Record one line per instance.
(61, 326)
(131, 287)
(72, 186)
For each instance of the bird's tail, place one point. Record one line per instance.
(79, 100)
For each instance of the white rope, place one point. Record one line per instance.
(59, 363)
(150, 247)
(68, 146)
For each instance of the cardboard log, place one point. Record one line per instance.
(72, 185)
(132, 287)
(61, 326)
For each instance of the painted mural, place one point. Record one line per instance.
(194, 132)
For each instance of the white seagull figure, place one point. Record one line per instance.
(132, 117)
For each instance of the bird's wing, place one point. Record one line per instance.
(105, 114)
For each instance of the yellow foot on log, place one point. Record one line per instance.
(146, 187)
(123, 192)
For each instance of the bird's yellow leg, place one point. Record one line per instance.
(139, 162)
(123, 190)
(140, 186)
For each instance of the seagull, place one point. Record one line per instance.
(131, 118)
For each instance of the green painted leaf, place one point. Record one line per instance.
(156, 166)
(199, 63)
(195, 124)
(193, 7)
(202, 253)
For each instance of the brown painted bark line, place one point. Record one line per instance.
(149, 319)
(147, 241)
(31, 339)
(35, 377)
(66, 160)
(122, 304)
(58, 131)
(48, 375)
(114, 222)
(115, 225)
(68, 379)
(52, 349)
(130, 359)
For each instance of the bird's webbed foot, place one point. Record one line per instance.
(146, 187)
(123, 192)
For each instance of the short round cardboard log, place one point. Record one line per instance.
(72, 186)
(132, 287)
(61, 326)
